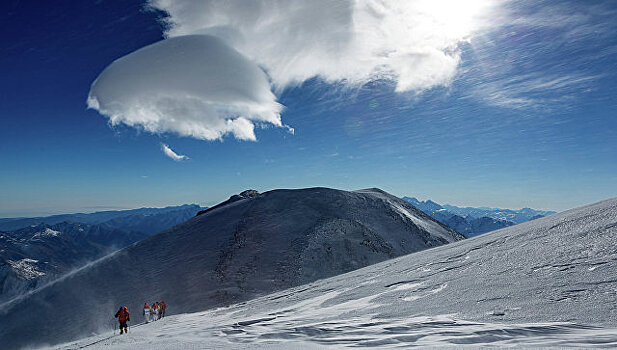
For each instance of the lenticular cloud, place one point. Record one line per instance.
(194, 85)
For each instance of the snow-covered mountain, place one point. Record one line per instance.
(250, 246)
(515, 216)
(550, 282)
(33, 256)
(36, 254)
(474, 221)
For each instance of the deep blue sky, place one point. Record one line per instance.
(529, 121)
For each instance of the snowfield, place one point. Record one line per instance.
(550, 282)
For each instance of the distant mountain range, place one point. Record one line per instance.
(114, 218)
(474, 221)
(38, 250)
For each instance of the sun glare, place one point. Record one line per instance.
(454, 19)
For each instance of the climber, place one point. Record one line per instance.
(146, 312)
(163, 307)
(123, 316)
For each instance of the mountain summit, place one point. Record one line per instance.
(250, 246)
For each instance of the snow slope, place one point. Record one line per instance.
(246, 248)
(551, 282)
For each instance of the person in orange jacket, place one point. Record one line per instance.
(123, 316)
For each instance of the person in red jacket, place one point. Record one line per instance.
(163, 307)
(123, 316)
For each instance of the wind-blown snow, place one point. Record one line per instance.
(550, 282)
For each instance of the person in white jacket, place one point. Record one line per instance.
(146, 312)
(155, 311)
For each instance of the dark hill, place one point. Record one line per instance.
(234, 252)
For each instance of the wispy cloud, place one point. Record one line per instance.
(171, 154)
(540, 56)
(535, 90)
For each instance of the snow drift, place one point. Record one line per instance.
(249, 246)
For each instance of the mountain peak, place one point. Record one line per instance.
(246, 194)
(249, 193)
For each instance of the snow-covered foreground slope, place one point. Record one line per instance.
(248, 247)
(548, 282)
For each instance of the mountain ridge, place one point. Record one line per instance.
(472, 221)
(10, 224)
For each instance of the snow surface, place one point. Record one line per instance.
(550, 282)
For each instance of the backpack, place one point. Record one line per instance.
(123, 314)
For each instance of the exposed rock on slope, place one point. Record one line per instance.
(234, 252)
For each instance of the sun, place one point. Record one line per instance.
(454, 20)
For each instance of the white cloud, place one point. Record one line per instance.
(206, 80)
(171, 154)
(411, 42)
(195, 86)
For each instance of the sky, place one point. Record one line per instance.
(125, 104)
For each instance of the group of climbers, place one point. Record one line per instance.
(154, 312)
(151, 313)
